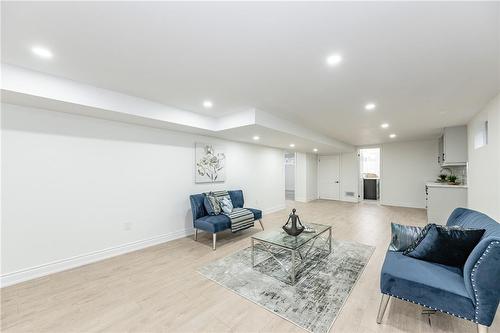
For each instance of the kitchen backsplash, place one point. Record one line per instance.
(460, 171)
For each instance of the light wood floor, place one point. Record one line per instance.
(158, 288)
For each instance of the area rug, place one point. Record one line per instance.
(314, 302)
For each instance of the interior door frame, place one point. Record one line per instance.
(381, 165)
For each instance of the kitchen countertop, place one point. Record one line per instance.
(435, 184)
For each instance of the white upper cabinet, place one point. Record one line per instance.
(453, 146)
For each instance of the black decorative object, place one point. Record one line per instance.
(295, 229)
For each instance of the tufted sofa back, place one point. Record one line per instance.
(198, 207)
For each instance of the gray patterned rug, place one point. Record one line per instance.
(318, 296)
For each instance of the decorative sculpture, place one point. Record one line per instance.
(295, 229)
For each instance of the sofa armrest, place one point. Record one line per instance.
(482, 279)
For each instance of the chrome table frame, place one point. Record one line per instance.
(292, 271)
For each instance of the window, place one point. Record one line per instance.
(370, 162)
(481, 135)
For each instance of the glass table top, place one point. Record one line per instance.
(280, 238)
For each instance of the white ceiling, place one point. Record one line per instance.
(426, 65)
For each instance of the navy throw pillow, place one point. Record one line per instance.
(449, 246)
(403, 236)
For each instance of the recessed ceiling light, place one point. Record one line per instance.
(384, 125)
(42, 52)
(370, 106)
(292, 145)
(208, 104)
(334, 59)
(392, 136)
(256, 137)
(315, 150)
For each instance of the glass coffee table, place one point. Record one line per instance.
(293, 253)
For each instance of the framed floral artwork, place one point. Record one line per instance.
(210, 163)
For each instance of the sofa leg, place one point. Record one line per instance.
(261, 225)
(195, 234)
(482, 328)
(214, 239)
(382, 307)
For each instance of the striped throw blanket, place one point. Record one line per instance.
(241, 218)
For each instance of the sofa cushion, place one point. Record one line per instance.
(237, 198)
(197, 206)
(445, 245)
(213, 223)
(257, 214)
(430, 284)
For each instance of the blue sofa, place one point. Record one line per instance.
(470, 293)
(216, 223)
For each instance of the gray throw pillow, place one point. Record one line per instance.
(212, 204)
(403, 236)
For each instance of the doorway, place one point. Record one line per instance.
(369, 178)
(290, 176)
(329, 177)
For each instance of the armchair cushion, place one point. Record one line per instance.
(433, 285)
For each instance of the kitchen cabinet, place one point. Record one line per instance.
(453, 146)
(442, 199)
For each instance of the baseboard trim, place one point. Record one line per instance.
(274, 209)
(88, 258)
(399, 204)
(31, 273)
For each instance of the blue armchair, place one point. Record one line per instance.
(216, 223)
(471, 293)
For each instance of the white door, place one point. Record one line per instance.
(329, 177)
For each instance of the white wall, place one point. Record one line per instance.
(484, 162)
(306, 177)
(311, 177)
(289, 177)
(300, 177)
(73, 185)
(405, 168)
(349, 176)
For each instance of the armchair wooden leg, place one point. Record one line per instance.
(382, 307)
(195, 234)
(261, 225)
(482, 328)
(214, 239)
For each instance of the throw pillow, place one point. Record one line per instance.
(212, 205)
(226, 205)
(403, 236)
(449, 246)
